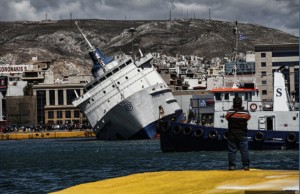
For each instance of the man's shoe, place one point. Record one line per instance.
(246, 167)
(231, 168)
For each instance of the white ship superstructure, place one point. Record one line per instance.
(127, 98)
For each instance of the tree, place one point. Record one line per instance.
(28, 90)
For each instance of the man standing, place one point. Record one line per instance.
(237, 133)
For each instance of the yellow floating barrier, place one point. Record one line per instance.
(46, 135)
(210, 181)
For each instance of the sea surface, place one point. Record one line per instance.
(47, 165)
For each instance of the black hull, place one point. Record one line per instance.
(179, 137)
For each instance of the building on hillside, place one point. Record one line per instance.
(268, 58)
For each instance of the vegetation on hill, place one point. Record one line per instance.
(62, 43)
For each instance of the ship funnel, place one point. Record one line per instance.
(280, 97)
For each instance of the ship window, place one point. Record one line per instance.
(104, 92)
(126, 77)
(218, 96)
(248, 96)
(118, 82)
(122, 66)
(89, 87)
(113, 86)
(96, 83)
(101, 79)
(116, 70)
(226, 96)
(139, 70)
(128, 62)
(108, 75)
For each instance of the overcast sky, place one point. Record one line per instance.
(278, 14)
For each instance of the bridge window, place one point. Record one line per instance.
(218, 96)
(226, 96)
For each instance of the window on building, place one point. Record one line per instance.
(59, 114)
(262, 55)
(263, 73)
(264, 82)
(76, 114)
(264, 92)
(50, 115)
(263, 64)
(71, 95)
(68, 114)
(60, 97)
(52, 97)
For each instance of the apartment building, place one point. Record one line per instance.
(269, 58)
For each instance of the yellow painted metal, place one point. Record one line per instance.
(46, 135)
(208, 182)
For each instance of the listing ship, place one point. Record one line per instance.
(272, 125)
(127, 97)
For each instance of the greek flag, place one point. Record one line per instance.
(242, 37)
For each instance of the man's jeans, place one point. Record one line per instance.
(233, 146)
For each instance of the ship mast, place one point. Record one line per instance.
(98, 58)
(235, 32)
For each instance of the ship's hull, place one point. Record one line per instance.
(137, 116)
(179, 137)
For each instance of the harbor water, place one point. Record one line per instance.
(47, 165)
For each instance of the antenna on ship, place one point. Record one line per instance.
(98, 58)
(235, 32)
(88, 42)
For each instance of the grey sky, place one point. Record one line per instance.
(278, 14)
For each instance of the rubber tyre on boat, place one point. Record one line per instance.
(213, 134)
(259, 137)
(164, 126)
(187, 130)
(177, 129)
(198, 133)
(291, 138)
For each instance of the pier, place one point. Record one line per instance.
(46, 135)
(206, 181)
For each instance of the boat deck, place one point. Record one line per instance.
(210, 181)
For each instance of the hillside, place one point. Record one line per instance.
(61, 42)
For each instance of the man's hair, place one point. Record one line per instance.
(237, 102)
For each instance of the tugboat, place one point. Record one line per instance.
(272, 126)
(127, 98)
